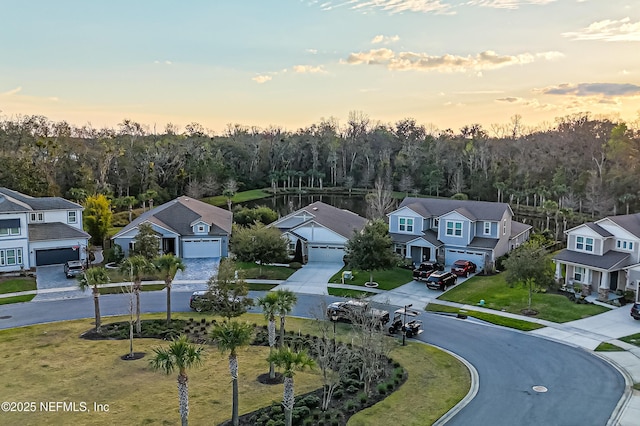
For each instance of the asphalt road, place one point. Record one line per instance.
(581, 389)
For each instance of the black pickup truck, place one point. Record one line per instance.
(425, 269)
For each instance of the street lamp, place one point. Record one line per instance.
(404, 324)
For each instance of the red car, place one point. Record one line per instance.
(463, 268)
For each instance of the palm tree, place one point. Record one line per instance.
(286, 300)
(135, 267)
(92, 277)
(229, 336)
(269, 305)
(168, 265)
(180, 355)
(290, 362)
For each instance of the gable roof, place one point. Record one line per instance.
(342, 222)
(517, 228)
(475, 210)
(629, 222)
(14, 201)
(611, 260)
(178, 215)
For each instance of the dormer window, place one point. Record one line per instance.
(584, 244)
(72, 216)
(405, 224)
(200, 229)
(487, 228)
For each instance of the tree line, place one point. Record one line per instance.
(579, 162)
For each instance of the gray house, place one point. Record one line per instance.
(186, 227)
(321, 231)
(446, 230)
(36, 231)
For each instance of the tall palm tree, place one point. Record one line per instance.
(286, 301)
(180, 355)
(135, 267)
(269, 305)
(230, 336)
(290, 362)
(168, 265)
(92, 277)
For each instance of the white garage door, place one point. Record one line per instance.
(476, 257)
(200, 248)
(320, 253)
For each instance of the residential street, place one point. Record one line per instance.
(581, 388)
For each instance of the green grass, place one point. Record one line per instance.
(634, 339)
(63, 367)
(608, 347)
(254, 194)
(499, 296)
(387, 279)
(266, 272)
(16, 299)
(123, 289)
(14, 285)
(345, 292)
(493, 319)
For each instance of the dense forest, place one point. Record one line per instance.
(577, 164)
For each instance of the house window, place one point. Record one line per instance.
(624, 245)
(504, 227)
(9, 231)
(11, 257)
(200, 228)
(72, 217)
(487, 228)
(579, 274)
(292, 247)
(584, 244)
(36, 217)
(436, 222)
(454, 228)
(400, 249)
(405, 224)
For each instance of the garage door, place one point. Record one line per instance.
(200, 248)
(476, 257)
(55, 256)
(319, 253)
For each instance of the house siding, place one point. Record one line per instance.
(450, 240)
(394, 222)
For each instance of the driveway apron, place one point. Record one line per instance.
(312, 278)
(52, 277)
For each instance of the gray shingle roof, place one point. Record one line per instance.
(483, 243)
(343, 222)
(428, 235)
(611, 260)
(178, 215)
(436, 207)
(518, 228)
(11, 201)
(630, 222)
(599, 229)
(54, 231)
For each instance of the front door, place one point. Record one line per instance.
(613, 281)
(426, 254)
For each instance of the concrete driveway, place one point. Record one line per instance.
(51, 277)
(312, 278)
(412, 292)
(198, 269)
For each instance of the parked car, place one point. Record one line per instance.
(73, 268)
(425, 269)
(441, 280)
(635, 311)
(463, 268)
(352, 309)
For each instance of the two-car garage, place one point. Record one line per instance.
(56, 256)
(325, 253)
(476, 257)
(201, 248)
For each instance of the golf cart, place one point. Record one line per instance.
(411, 327)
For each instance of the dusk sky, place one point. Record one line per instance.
(291, 63)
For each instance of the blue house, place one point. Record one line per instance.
(446, 230)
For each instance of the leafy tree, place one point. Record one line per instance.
(528, 265)
(180, 355)
(227, 292)
(248, 216)
(97, 217)
(259, 243)
(168, 265)
(286, 300)
(370, 249)
(290, 362)
(269, 305)
(93, 277)
(135, 267)
(230, 336)
(147, 243)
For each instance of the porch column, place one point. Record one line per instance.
(603, 289)
(558, 275)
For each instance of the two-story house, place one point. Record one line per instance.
(446, 230)
(186, 227)
(36, 231)
(604, 255)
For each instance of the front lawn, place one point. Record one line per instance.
(14, 285)
(634, 339)
(16, 299)
(265, 272)
(63, 367)
(387, 279)
(517, 324)
(499, 296)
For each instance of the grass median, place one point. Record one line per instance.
(63, 367)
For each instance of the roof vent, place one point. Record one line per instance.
(315, 208)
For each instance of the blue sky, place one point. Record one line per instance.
(291, 63)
